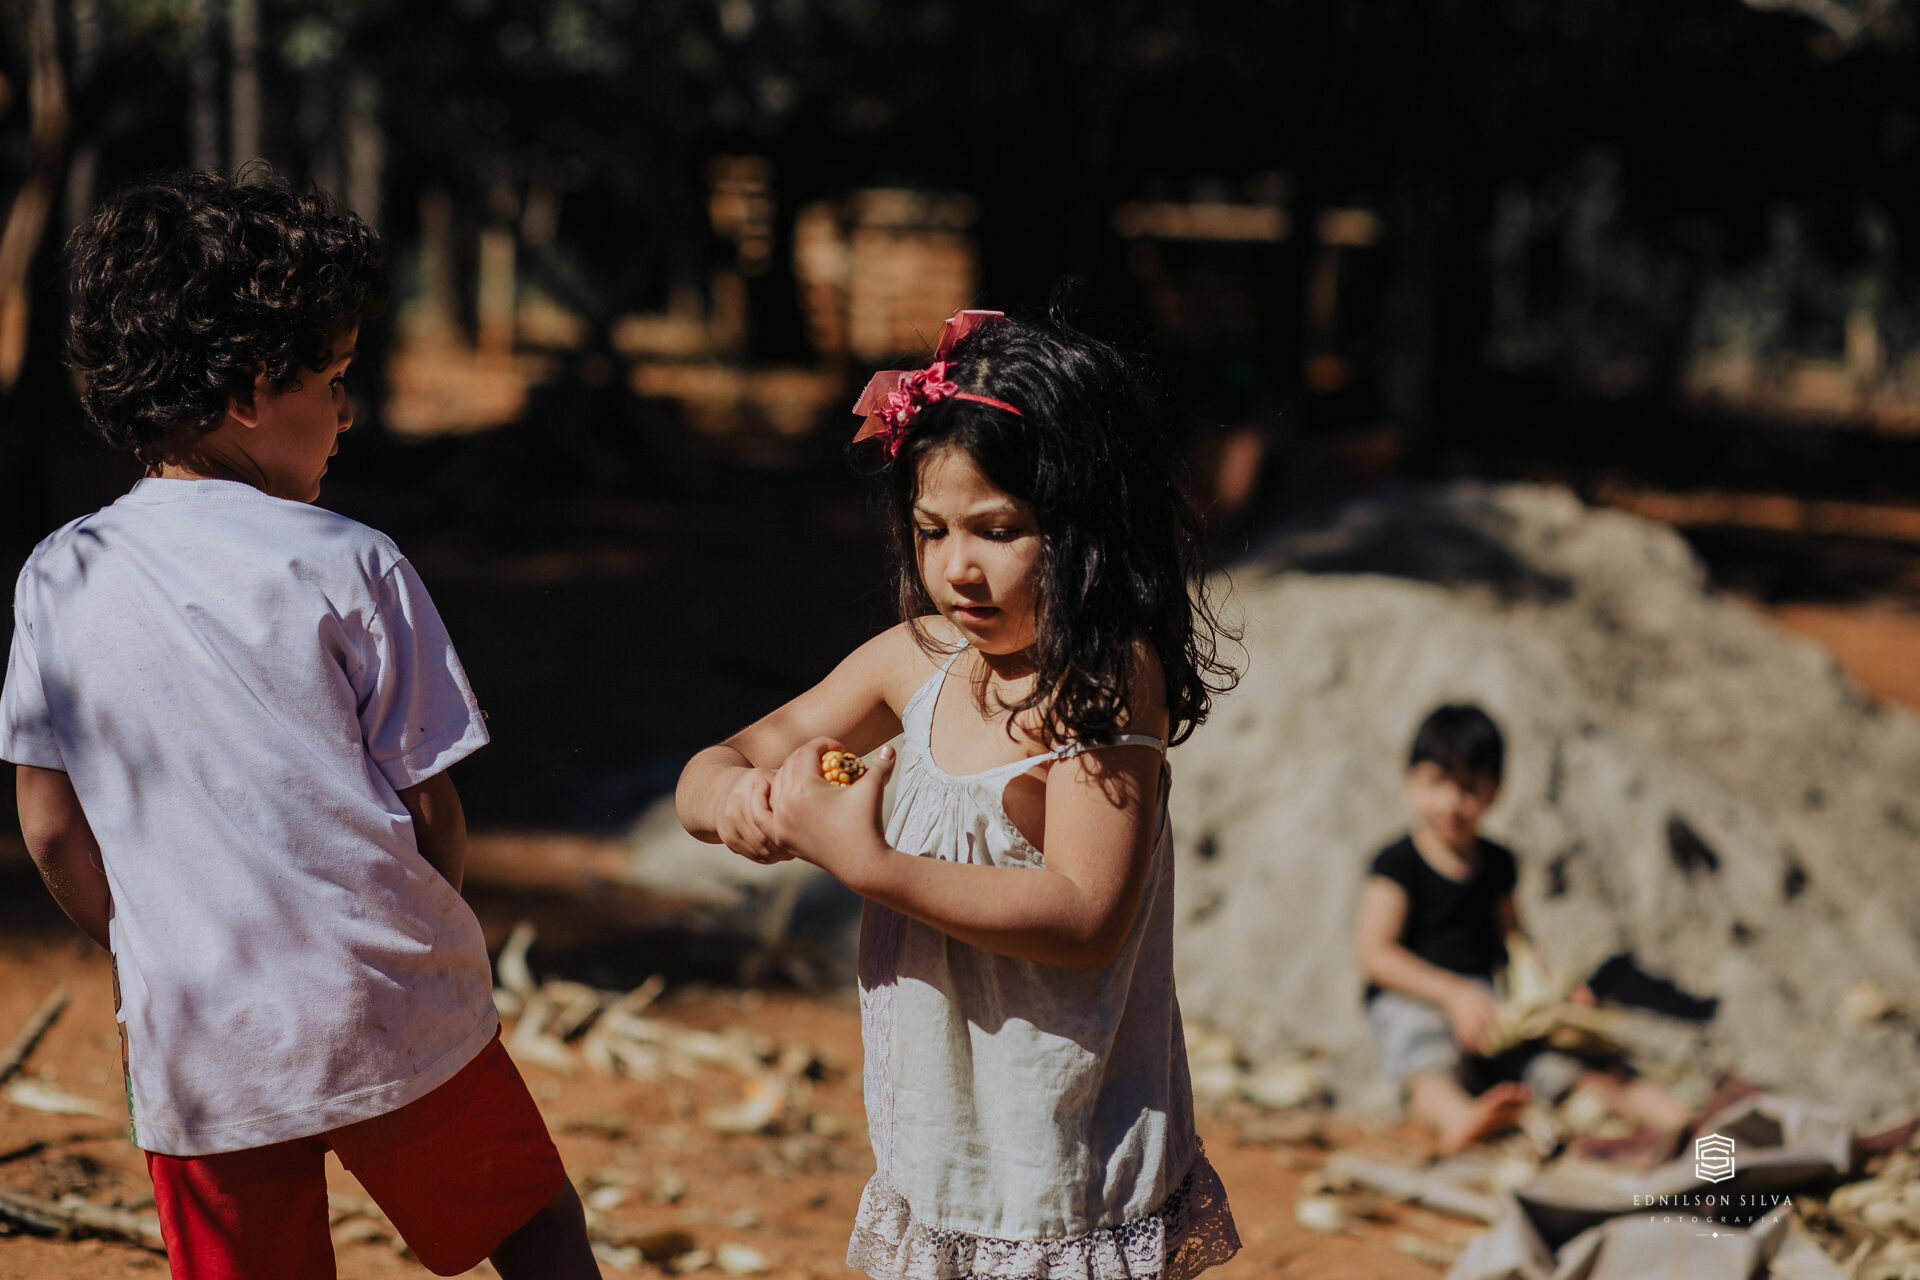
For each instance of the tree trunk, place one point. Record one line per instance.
(243, 92)
(439, 310)
(47, 126)
(203, 73)
(1407, 369)
(496, 285)
(366, 147)
(83, 168)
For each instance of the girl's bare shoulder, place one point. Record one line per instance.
(900, 660)
(1147, 706)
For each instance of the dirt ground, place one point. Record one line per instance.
(789, 1194)
(1878, 643)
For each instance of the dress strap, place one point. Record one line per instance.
(1117, 740)
(920, 705)
(1015, 767)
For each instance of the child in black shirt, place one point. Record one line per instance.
(1435, 914)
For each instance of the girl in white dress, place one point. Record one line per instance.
(1026, 1074)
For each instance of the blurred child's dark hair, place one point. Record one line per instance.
(1462, 741)
(1121, 558)
(185, 289)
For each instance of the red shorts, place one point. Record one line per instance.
(457, 1172)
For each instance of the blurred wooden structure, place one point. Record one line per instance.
(875, 271)
(879, 269)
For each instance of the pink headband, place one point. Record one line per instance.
(895, 397)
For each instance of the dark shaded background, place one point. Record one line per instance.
(1574, 205)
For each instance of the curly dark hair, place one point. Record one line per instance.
(186, 289)
(1121, 557)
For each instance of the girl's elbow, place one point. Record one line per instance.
(1086, 957)
(1094, 948)
(688, 807)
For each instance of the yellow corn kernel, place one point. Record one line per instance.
(841, 767)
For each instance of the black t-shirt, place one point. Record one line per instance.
(1451, 923)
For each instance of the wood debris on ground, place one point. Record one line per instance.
(569, 1027)
(38, 1095)
(1873, 1225)
(1446, 1188)
(15, 1054)
(1423, 1250)
(78, 1218)
(42, 1095)
(1867, 1220)
(1222, 1074)
(71, 1216)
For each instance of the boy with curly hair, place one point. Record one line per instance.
(232, 715)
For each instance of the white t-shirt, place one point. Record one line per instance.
(237, 686)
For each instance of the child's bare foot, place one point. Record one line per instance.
(1492, 1111)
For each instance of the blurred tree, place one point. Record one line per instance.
(33, 202)
(243, 92)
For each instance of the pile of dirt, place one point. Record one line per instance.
(1686, 782)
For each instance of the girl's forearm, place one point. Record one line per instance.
(1023, 913)
(703, 788)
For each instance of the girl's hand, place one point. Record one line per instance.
(745, 824)
(835, 828)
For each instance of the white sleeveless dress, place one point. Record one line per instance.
(1029, 1122)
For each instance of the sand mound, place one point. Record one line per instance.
(1685, 781)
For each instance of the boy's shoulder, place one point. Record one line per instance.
(1397, 861)
(1401, 862)
(243, 523)
(179, 507)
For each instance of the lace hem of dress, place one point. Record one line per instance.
(1192, 1230)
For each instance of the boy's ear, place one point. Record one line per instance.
(245, 410)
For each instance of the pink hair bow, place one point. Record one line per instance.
(895, 397)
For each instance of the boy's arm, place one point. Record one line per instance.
(64, 849)
(1507, 917)
(1383, 913)
(439, 825)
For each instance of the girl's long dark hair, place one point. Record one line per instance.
(1121, 558)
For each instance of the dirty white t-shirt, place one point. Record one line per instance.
(238, 686)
